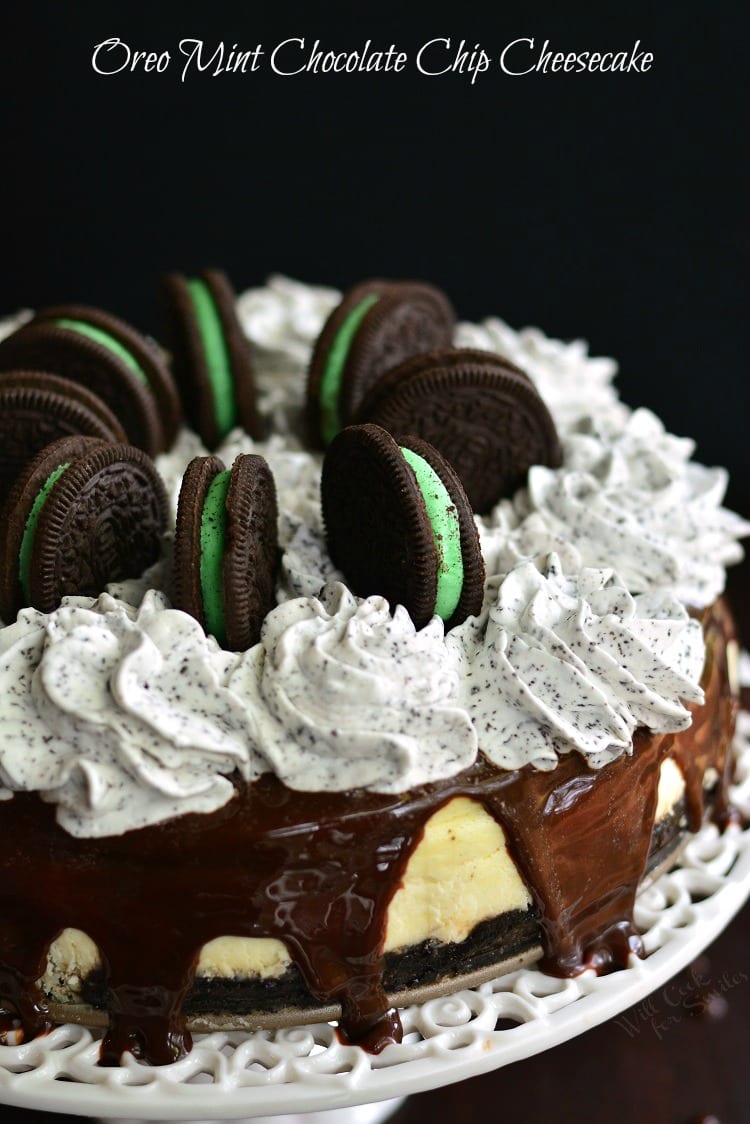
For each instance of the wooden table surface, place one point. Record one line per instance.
(681, 1058)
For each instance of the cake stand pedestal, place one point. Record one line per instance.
(296, 1072)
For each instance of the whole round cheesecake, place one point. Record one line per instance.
(356, 812)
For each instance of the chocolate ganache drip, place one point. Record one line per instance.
(713, 724)
(318, 870)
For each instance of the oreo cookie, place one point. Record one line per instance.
(82, 513)
(108, 357)
(482, 413)
(36, 409)
(226, 547)
(398, 524)
(210, 355)
(376, 326)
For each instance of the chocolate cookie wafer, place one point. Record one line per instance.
(398, 524)
(226, 547)
(36, 409)
(110, 358)
(482, 413)
(376, 326)
(210, 355)
(82, 514)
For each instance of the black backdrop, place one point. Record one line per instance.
(611, 207)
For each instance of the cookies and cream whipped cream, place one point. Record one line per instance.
(120, 716)
(122, 712)
(560, 661)
(627, 494)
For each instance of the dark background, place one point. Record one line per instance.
(610, 207)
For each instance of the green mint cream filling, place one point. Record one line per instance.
(213, 540)
(29, 531)
(329, 392)
(108, 341)
(216, 352)
(446, 530)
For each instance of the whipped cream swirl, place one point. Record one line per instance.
(627, 496)
(347, 696)
(126, 717)
(121, 717)
(575, 662)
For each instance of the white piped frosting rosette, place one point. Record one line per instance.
(121, 717)
(561, 662)
(626, 495)
(347, 695)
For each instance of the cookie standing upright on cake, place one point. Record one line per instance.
(376, 325)
(399, 524)
(482, 413)
(82, 514)
(225, 547)
(110, 358)
(210, 355)
(36, 409)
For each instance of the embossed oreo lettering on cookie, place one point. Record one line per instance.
(376, 326)
(36, 409)
(226, 546)
(482, 413)
(398, 524)
(82, 514)
(109, 358)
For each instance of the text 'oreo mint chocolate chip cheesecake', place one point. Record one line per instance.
(403, 663)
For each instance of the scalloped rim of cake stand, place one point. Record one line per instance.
(447, 1039)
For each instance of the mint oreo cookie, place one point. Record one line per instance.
(376, 326)
(36, 409)
(82, 514)
(210, 355)
(109, 358)
(226, 547)
(483, 414)
(398, 524)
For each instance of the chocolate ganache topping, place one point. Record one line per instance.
(281, 792)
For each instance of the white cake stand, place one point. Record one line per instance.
(307, 1070)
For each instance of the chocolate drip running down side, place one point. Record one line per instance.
(318, 870)
(709, 745)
